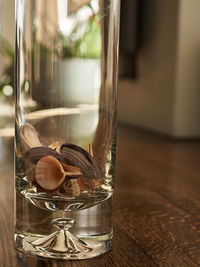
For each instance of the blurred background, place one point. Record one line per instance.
(159, 81)
(158, 97)
(160, 65)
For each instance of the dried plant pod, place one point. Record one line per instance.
(36, 153)
(49, 173)
(71, 169)
(83, 184)
(58, 150)
(30, 136)
(90, 150)
(54, 145)
(78, 157)
(86, 184)
(71, 188)
(30, 171)
(95, 183)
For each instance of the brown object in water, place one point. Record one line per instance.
(30, 171)
(72, 170)
(72, 188)
(29, 137)
(54, 145)
(36, 153)
(78, 157)
(86, 184)
(49, 173)
(74, 159)
(90, 149)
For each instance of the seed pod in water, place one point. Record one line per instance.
(54, 145)
(71, 188)
(86, 184)
(36, 153)
(30, 137)
(78, 157)
(49, 173)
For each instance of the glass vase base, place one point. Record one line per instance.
(85, 248)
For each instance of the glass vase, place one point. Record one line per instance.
(66, 93)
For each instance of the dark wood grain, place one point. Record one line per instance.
(156, 205)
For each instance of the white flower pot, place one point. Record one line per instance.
(76, 81)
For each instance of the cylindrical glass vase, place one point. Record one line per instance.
(66, 91)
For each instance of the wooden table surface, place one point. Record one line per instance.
(156, 207)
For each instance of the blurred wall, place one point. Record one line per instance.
(7, 8)
(165, 97)
(187, 84)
